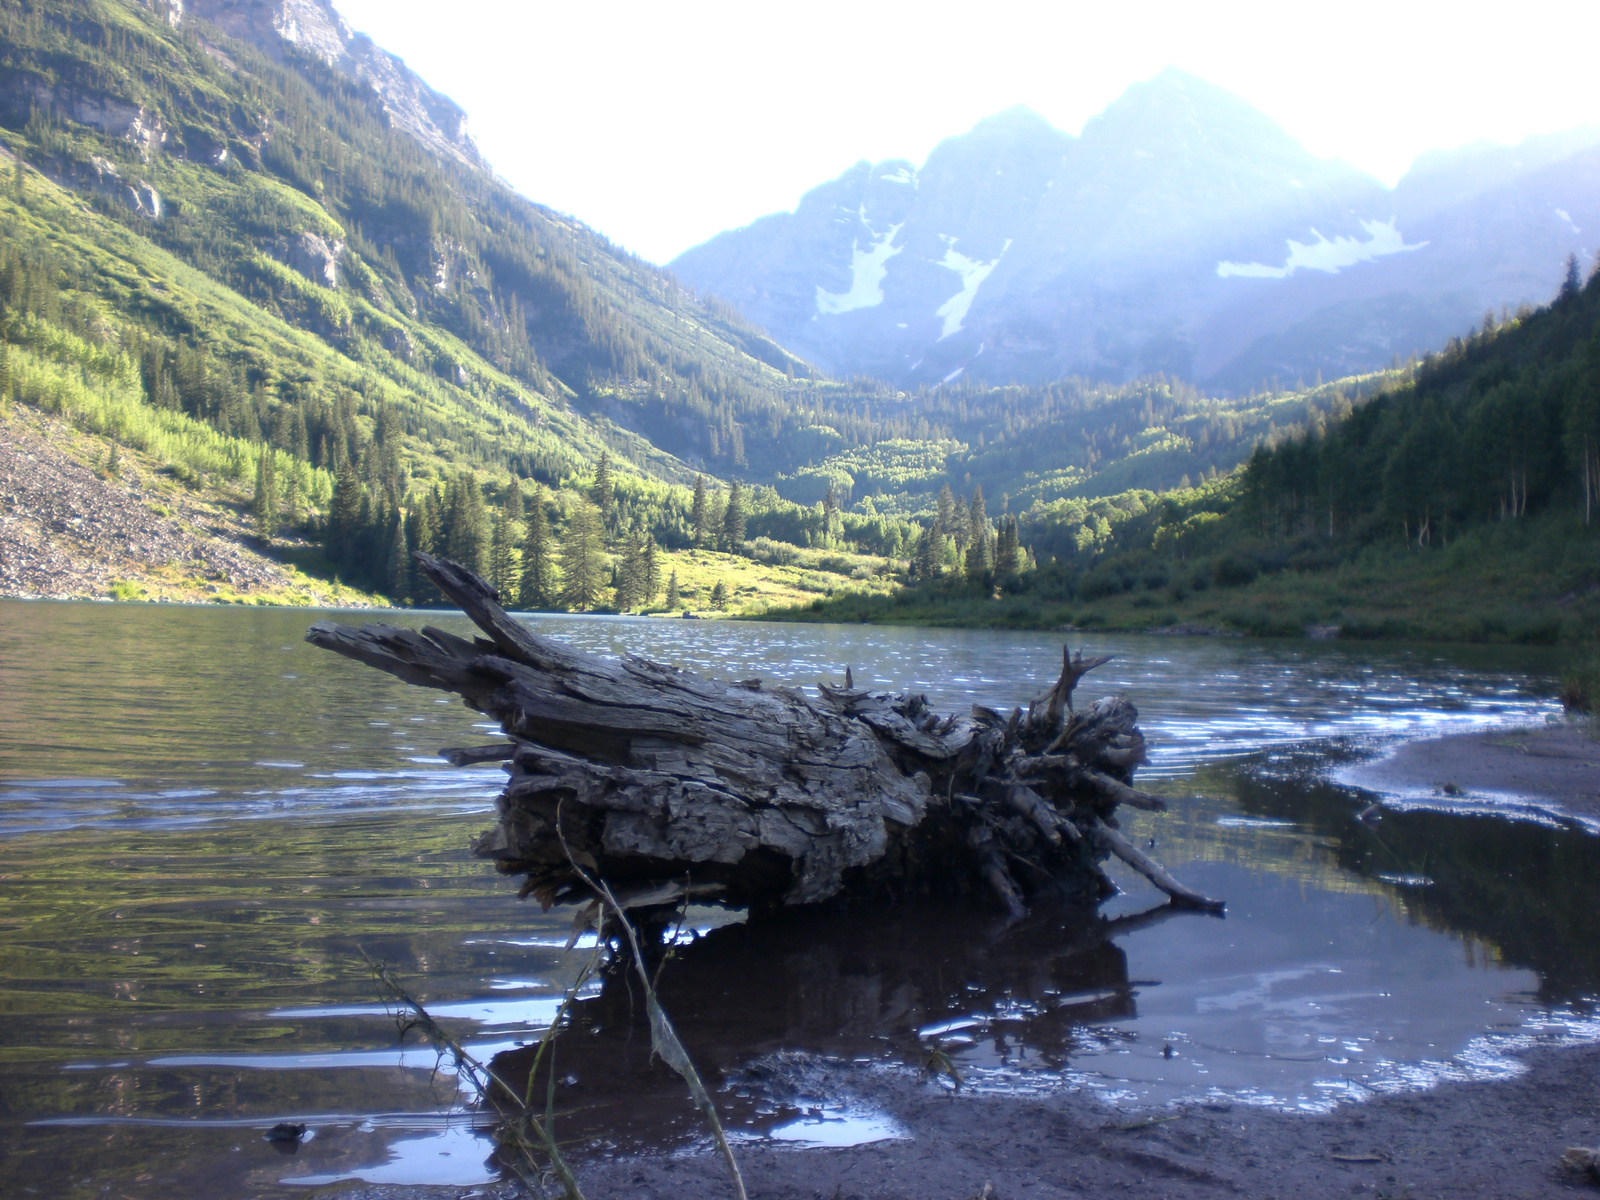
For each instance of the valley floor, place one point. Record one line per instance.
(69, 529)
(1531, 581)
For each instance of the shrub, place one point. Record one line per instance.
(1099, 582)
(835, 564)
(1580, 685)
(1232, 570)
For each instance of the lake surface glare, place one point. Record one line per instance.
(203, 821)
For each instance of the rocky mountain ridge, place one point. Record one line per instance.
(315, 27)
(1182, 232)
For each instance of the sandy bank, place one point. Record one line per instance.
(1554, 769)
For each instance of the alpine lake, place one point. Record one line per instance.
(204, 822)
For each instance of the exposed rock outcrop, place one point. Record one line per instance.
(317, 258)
(198, 145)
(314, 27)
(22, 93)
(171, 11)
(102, 177)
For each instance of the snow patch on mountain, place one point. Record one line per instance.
(867, 269)
(1327, 256)
(972, 272)
(1567, 217)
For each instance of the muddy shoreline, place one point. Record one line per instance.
(1554, 768)
(1502, 1139)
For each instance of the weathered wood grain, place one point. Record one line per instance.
(764, 793)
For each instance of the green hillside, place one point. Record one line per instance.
(1464, 505)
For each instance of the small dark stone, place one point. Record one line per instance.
(283, 1131)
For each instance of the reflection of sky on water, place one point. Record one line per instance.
(453, 1157)
(201, 818)
(1300, 999)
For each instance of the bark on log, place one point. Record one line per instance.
(662, 779)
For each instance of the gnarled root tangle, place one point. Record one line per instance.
(667, 784)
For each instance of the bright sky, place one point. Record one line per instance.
(660, 124)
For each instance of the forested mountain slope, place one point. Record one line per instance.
(1462, 504)
(292, 184)
(230, 257)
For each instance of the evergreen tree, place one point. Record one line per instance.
(629, 576)
(344, 515)
(466, 538)
(5, 372)
(538, 566)
(582, 555)
(364, 550)
(927, 563)
(604, 492)
(265, 507)
(417, 538)
(300, 438)
(830, 514)
(650, 575)
(977, 538)
(1007, 561)
(945, 522)
(672, 589)
(699, 514)
(733, 520)
(502, 562)
(511, 504)
(719, 596)
(1572, 284)
(397, 564)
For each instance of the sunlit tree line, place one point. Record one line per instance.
(1503, 423)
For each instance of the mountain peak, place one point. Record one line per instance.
(1174, 101)
(1019, 118)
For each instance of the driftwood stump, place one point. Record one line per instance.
(668, 785)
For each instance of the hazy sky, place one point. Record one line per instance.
(662, 123)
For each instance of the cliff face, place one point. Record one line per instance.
(314, 27)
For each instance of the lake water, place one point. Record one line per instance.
(203, 821)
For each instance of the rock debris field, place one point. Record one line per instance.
(68, 531)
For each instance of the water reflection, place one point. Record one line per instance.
(891, 985)
(1519, 893)
(201, 819)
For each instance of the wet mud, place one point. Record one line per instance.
(1551, 771)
